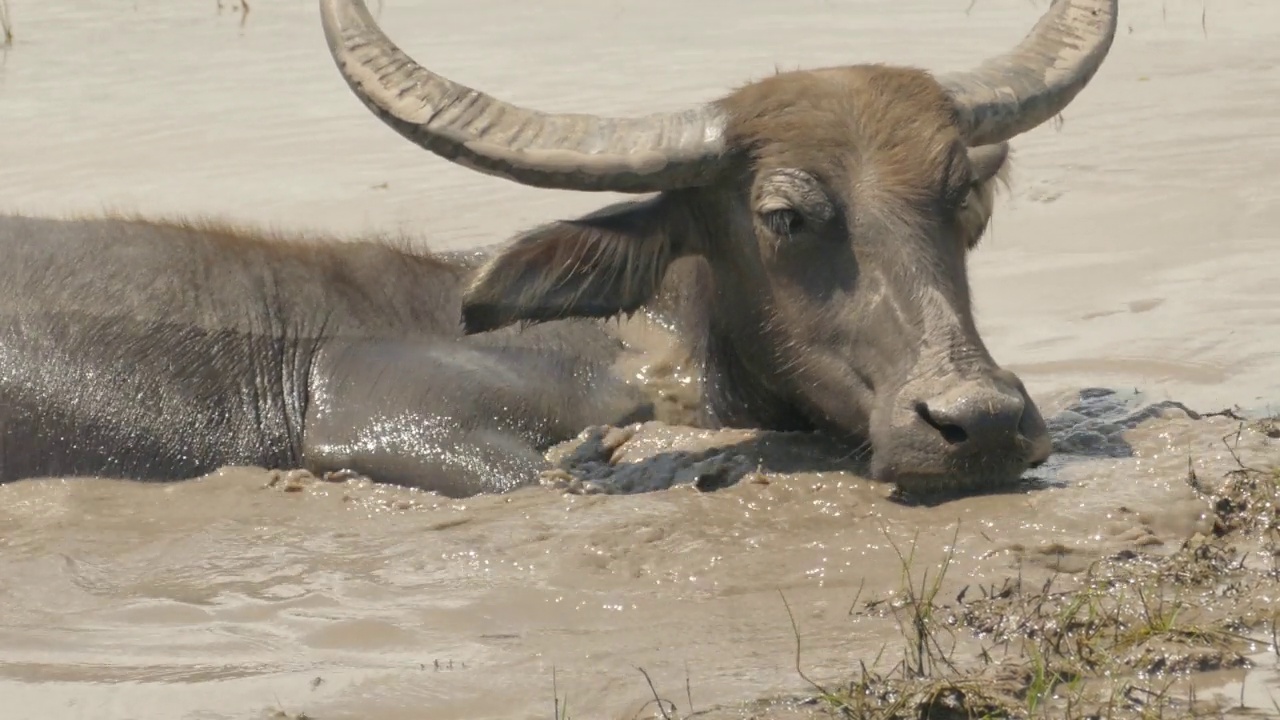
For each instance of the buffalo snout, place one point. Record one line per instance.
(961, 434)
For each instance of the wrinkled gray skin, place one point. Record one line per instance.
(827, 214)
(156, 351)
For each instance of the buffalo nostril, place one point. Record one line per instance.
(975, 415)
(952, 433)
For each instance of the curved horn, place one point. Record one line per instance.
(562, 151)
(1012, 93)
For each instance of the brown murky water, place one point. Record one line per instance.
(1139, 247)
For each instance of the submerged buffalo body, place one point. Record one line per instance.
(150, 350)
(809, 231)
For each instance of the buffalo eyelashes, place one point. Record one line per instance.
(784, 221)
(789, 200)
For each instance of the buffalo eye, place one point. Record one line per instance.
(791, 203)
(784, 221)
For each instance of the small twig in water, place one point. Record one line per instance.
(555, 693)
(6, 27)
(244, 10)
(861, 585)
(1232, 448)
(1229, 413)
(656, 698)
(795, 630)
(688, 687)
(1275, 635)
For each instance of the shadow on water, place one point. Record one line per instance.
(654, 456)
(1094, 425)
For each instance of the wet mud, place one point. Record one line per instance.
(248, 591)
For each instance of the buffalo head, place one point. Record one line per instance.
(833, 208)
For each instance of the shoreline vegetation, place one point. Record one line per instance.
(1128, 638)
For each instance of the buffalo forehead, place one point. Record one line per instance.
(841, 122)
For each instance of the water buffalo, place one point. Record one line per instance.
(813, 227)
(164, 350)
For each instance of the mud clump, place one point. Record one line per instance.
(297, 480)
(605, 460)
(348, 487)
(652, 456)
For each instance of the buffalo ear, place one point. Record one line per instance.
(606, 263)
(990, 166)
(988, 161)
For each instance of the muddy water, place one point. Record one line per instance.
(1139, 247)
(227, 597)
